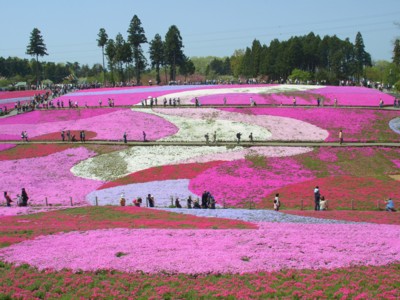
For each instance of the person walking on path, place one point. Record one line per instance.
(251, 137)
(69, 135)
(8, 199)
(238, 135)
(125, 137)
(380, 103)
(215, 137)
(207, 138)
(144, 136)
(340, 137)
(63, 135)
(317, 198)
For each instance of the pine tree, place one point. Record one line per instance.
(101, 42)
(137, 37)
(173, 50)
(36, 47)
(156, 52)
(361, 57)
(396, 52)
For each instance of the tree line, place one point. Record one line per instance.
(328, 59)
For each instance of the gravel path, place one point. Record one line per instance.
(254, 215)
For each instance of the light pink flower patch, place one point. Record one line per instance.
(275, 246)
(107, 123)
(48, 176)
(236, 182)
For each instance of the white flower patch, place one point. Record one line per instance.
(187, 96)
(114, 165)
(281, 128)
(194, 129)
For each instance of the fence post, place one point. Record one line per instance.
(70, 199)
(352, 204)
(97, 202)
(47, 204)
(302, 206)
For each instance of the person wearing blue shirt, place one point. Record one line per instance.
(390, 205)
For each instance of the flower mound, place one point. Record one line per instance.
(101, 121)
(239, 181)
(281, 128)
(272, 247)
(48, 176)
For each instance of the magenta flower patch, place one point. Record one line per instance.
(106, 123)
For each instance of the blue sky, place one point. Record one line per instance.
(208, 27)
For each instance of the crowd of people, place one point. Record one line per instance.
(207, 201)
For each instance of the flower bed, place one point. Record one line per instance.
(106, 123)
(239, 181)
(20, 228)
(315, 284)
(358, 125)
(272, 247)
(48, 176)
(134, 95)
(305, 95)
(280, 128)
(30, 151)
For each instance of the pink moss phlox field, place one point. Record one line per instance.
(282, 128)
(239, 181)
(275, 246)
(346, 96)
(48, 176)
(107, 123)
(353, 122)
(352, 95)
(134, 95)
(6, 146)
